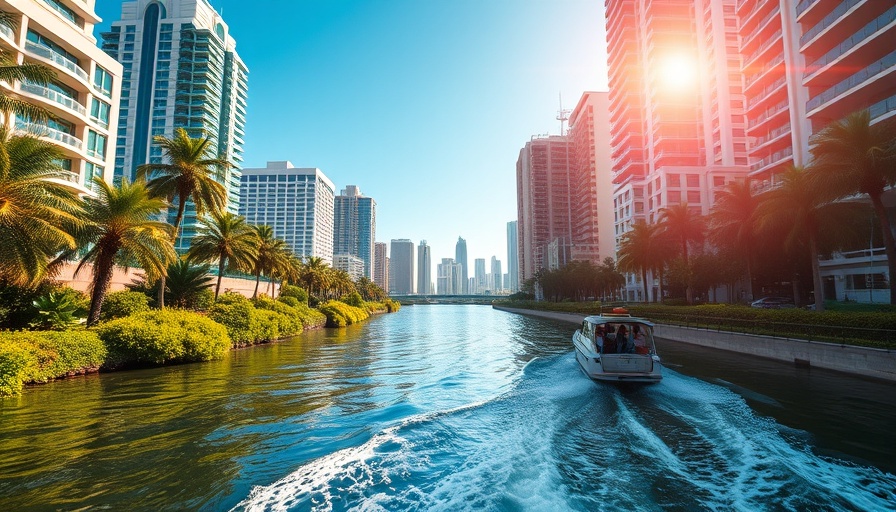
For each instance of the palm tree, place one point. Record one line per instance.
(852, 156)
(185, 282)
(272, 253)
(11, 71)
(642, 249)
(798, 208)
(227, 239)
(120, 228)
(35, 211)
(686, 227)
(190, 175)
(732, 225)
(314, 276)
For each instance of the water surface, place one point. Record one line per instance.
(449, 408)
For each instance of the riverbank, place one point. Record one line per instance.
(864, 361)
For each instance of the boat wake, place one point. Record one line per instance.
(558, 441)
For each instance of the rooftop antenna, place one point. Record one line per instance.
(562, 115)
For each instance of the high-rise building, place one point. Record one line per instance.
(513, 264)
(676, 107)
(496, 277)
(181, 70)
(460, 257)
(355, 226)
(83, 99)
(424, 269)
(381, 266)
(544, 208)
(592, 179)
(480, 277)
(401, 269)
(449, 278)
(296, 202)
(350, 264)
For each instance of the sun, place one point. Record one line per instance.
(678, 72)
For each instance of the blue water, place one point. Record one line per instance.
(433, 408)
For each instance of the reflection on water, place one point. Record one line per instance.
(448, 407)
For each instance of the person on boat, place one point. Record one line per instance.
(599, 337)
(639, 340)
(624, 344)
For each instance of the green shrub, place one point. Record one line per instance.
(60, 310)
(290, 301)
(295, 292)
(31, 356)
(310, 317)
(392, 305)
(289, 322)
(122, 304)
(164, 336)
(340, 314)
(238, 317)
(353, 299)
(268, 325)
(203, 300)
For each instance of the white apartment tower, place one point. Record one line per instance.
(513, 264)
(381, 266)
(181, 70)
(83, 98)
(296, 202)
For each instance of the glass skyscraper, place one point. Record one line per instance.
(354, 231)
(181, 70)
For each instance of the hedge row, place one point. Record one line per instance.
(38, 356)
(340, 314)
(163, 336)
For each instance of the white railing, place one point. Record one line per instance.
(50, 133)
(54, 96)
(46, 53)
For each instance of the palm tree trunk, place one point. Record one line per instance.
(181, 206)
(889, 244)
(816, 274)
(102, 276)
(257, 280)
(221, 264)
(644, 282)
(749, 280)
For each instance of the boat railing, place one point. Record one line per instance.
(844, 335)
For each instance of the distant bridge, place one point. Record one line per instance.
(409, 300)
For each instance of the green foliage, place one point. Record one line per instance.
(311, 318)
(269, 323)
(40, 356)
(163, 336)
(289, 301)
(237, 314)
(289, 322)
(123, 303)
(294, 292)
(340, 314)
(203, 300)
(392, 305)
(353, 299)
(60, 310)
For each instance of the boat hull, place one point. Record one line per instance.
(617, 367)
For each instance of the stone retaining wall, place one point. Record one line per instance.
(869, 362)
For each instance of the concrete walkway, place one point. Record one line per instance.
(868, 362)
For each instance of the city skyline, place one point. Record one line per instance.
(500, 69)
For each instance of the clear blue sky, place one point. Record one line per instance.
(424, 104)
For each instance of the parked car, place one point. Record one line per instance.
(773, 303)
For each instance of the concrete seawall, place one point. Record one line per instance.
(868, 362)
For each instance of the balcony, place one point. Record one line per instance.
(54, 96)
(828, 20)
(876, 69)
(768, 114)
(765, 93)
(777, 158)
(883, 108)
(47, 54)
(50, 133)
(752, 79)
(878, 24)
(7, 33)
(762, 47)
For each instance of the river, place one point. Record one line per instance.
(450, 408)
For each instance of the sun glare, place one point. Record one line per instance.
(679, 72)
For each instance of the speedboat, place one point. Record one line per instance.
(617, 347)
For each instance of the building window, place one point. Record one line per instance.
(99, 111)
(96, 144)
(673, 180)
(102, 81)
(693, 180)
